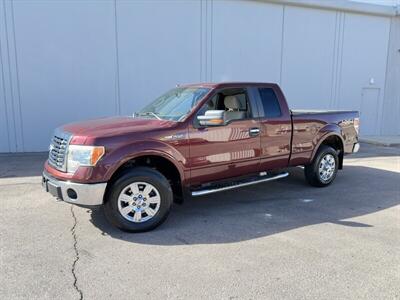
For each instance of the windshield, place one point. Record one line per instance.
(175, 104)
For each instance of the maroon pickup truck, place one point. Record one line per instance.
(194, 140)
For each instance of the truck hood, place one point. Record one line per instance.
(115, 126)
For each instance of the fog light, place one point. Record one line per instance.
(72, 194)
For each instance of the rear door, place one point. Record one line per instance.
(229, 150)
(275, 127)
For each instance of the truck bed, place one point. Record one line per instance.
(296, 112)
(308, 126)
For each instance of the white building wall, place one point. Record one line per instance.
(66, 64)
(63, 61)
(363, 68)
(246, 42)
(159, 45)
(391, 102)
(4, 129)
(308, 57)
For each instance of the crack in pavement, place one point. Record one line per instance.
(76, 255)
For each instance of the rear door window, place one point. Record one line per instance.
(270, 103)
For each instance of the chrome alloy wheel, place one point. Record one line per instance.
(139, 202)
(327, 167)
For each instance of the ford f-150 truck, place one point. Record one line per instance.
(194, 140)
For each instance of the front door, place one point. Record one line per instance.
(228, 150)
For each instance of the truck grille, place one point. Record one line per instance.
(58, 151)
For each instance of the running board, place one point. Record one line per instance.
(238, 185)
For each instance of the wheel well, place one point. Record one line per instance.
(162, 165)
(336, 143)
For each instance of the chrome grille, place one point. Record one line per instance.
(58, 150)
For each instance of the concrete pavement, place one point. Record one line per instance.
(277, 240)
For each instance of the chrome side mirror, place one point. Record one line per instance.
(212, 118)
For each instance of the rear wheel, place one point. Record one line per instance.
(323, 169)
(139, 200)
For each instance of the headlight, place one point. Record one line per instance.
(83, 156)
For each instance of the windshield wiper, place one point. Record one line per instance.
(149, 113)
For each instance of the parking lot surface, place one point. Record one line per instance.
(282, 239)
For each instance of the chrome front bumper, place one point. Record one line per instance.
(76, 193)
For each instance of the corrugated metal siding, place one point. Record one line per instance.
(63, 61)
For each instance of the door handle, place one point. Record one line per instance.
(254, 131)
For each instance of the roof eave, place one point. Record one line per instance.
(343, 5)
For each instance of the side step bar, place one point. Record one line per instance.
(238, 185)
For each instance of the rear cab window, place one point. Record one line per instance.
(270, 103)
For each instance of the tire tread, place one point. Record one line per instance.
(311, 170)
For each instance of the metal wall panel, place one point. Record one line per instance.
(363, 65)
(308, 57)
(159, 46)
(246, 41)
(10, 122)
(4, 130)
(391, 100)
(64, 61)
(67, 65)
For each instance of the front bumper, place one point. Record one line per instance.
(76, 193)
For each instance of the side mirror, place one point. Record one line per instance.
(212, 118)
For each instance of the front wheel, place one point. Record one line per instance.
(323, 169)
(139, 200)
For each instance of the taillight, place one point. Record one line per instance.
(357, 124)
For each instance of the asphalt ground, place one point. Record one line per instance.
(277, 240)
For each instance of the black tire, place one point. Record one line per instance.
(311, 171)
(138, 174)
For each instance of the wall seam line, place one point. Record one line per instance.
(334, 62)
(201, 40)
(211, 40)
(282, 44)
(206, 44)
(337, 59)
(340, 58)
(10, 78)
(4, 93)
(5, 101)
(18, 81)
(386, 75)
(117, 81)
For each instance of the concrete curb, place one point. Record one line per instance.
(378, 142)
(16, 154)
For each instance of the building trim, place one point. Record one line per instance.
(342, 5)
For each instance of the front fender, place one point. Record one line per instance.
(121, 155)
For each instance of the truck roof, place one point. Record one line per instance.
(227, 84)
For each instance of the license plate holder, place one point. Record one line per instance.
(52, 188)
